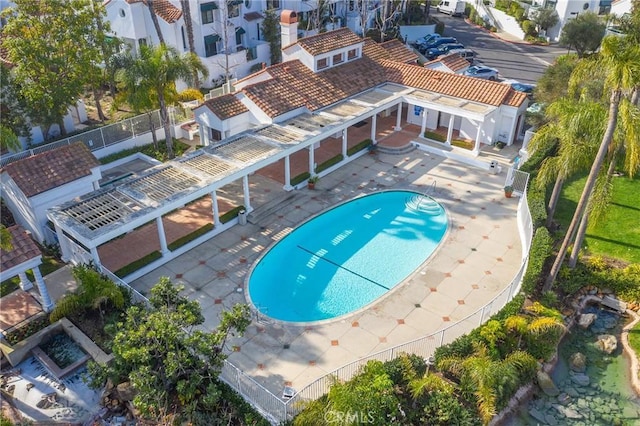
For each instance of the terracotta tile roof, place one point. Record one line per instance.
(50, 169)
(399, 52)
(515, 98)
(252, 16)
(375, 50)
(24, 248)
(294, 85)
(163, 8)
(226, 106)
(460, 86)
(326, 42)
(454, 62)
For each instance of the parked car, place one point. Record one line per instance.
(437, 42)
(451, 7)
(467, 54)
(521, 87)
(481, 71)
(434, 52)
(427, 39)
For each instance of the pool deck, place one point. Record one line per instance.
(478, 258)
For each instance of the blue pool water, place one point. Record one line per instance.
(347, 257)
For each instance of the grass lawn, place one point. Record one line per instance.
(634, 338)
(619, 235)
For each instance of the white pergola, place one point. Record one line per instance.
(106, 214)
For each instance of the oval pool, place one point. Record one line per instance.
(346, 257)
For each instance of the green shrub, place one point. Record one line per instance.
(493, 29)
(231, 214)
(537, 206)
(29, 329)
(300, 178)
(359, 147)
(159, 154)
(529, 28)
(190, 94)
(532, 165)
(541, 247)
(190, 237)
(440, 27)
(135, 265)
(330, 162)
(405, 367)
(472, 14)
(435, 136)
(459, 348)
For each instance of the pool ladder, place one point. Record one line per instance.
(261, 318)
(423, 202)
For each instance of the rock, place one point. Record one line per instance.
(613, 303)
(546, 384)
(569, 413)
(564, 398)
(585, 320)
(580, 379)
(125, 391)
(582, 403)
(607, 343)
(578, 362)
(571, 392)
(610, 322)
(536, 414)
(551, 420)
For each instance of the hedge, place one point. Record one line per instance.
(541, 247)
(538, 207)
(330, 162)
(160, 154)
(300, 178)
(135, 265)
(359, 147)
(435, 136)
(532, 165)
(231, 214)
(190, 236)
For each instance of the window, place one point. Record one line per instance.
(233, 8)
(338, 59)
(216, 135)
(122, 13)
(352, 54)
(273, 4)
(184, 39)
(211, 45)
(322, 63)
(239, 33)
(206, 12)
(142, 42)
(247, 3)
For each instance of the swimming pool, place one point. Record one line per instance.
(346, 257)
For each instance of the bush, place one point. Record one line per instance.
(532, 165)
(435, 136)
(538, 207)
(330, 162)
(29, 329)
(440, 27)
(359, 147)
(529, 28)
(300, 178)
(231, 214)
(190, 94)
(159, 154)
(137, 264)
(541, 247)
(190, 237)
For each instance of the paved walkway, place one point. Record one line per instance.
(478, 259)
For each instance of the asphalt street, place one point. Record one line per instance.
(519, 61)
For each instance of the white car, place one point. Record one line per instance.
(481, 71)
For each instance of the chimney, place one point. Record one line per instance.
(288, 27)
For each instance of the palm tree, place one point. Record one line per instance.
(188, 23)
(153, 73)
(621, 60)
(94, 290)
(154, 19)
(487, 378)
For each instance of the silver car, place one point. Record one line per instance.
(482, 71)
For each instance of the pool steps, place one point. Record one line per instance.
(261, 213)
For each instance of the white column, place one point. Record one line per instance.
(65, 252)
(344, 143)
(247, 199)
(161, 236)
(512, 131)
(476, 148)
(423, 128)
(312, 160)
(374, 128)
(204, 135)
(25, 284)
(287, 174)
(47, 305)
(96, 257)
(399, 117)
(216, 209)
(450, 129)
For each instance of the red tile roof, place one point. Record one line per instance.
(374, 50)
(226, 106)
(399, 52)
(454, 62)
(163, 8)
(24, 248)
(252, 16)
(326, 42)
(50, 169)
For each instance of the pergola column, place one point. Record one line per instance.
(204, 135)
(476, 147)
(450, 129)
(65, 252)
(374, 128)
(423, 127)
(247, 198)
(161, 236)
(216, 208)
(399, 118)
(95, 256)
(47, 305)
(312, 160)
(344, 143)
(25, 284)
(287, 174)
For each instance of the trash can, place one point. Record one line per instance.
(242, 217)
(494, 168)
